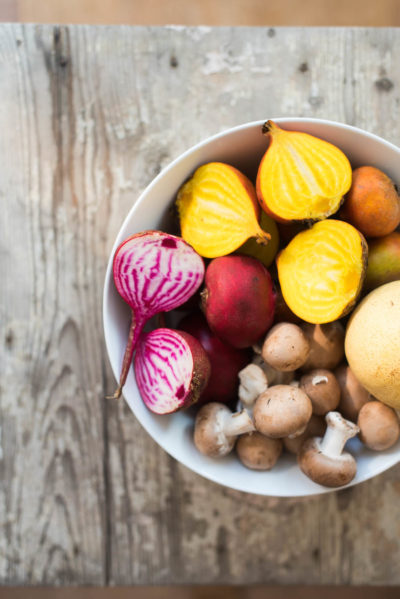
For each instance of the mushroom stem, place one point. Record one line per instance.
(237, 424)
(338, 432)
(253, 382)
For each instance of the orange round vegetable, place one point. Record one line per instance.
(372, 204)
(321, 271)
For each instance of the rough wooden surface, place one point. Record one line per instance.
(88, 116)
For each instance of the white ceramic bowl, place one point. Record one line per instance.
(242, 147)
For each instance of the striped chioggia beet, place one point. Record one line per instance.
(153, 272)
(171, 369)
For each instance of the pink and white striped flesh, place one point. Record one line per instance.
(153, 272)
(171, 368)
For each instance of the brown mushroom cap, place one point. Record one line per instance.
(285, 347)
(379, 425)
(257, 451)
(353, 394)
(282, 410)
(326, 345)
(323, 469)
(323, 389)
(315, 428)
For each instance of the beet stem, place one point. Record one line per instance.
(128, 355)
(263, 238)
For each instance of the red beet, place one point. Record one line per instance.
(238, 299)
(171, 369)
(226, 361)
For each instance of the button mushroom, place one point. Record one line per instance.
(353, 395)
(285, 347)
(258, 452)
(315, 428)
(281, 411)
(323, 389)
(216, 429)
(379, 425)
(322, 460)
(326, 345)
(253, 382)
(274, 377)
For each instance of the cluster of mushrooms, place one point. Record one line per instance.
(297, 395)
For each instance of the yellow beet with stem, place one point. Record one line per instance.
(218, 210)
(301, 177)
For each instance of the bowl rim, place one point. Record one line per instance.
(375, 469)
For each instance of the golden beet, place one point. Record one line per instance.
(321, 271)
(301, 177)
(218, 210)
(372, 204)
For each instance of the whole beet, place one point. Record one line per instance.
(238, 299)
(226, 361)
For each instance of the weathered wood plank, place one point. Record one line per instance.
(52, 467)
(88, 116)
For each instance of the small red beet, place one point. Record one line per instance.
(238, 299)
(226, 361)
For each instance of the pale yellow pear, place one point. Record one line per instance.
(372, 343)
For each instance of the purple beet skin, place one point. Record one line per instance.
(153, 272)
(171, 369)
(226, 361)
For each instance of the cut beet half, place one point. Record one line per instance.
(301, 177)
(171, 369)
(322, 270)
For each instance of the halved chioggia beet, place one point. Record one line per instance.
(153, 272)
(171, 369)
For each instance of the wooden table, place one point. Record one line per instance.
(88, 116)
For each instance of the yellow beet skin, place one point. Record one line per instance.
(218, 210)
(301, 177)
(321, 271)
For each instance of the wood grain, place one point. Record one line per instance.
(53, 447)
(88, 116)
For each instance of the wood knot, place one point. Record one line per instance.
(384, 84)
